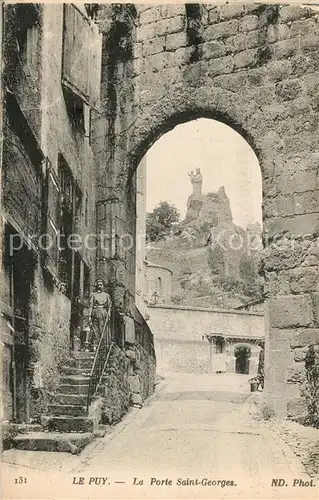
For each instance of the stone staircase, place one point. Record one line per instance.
(66, 427)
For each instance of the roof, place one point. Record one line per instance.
(151, 264)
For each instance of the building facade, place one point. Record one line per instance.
(201, 340)
(161, 65)
(52, 116)
(253, 67)
(158, 284)
(51, 91)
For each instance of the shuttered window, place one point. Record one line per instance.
(81, 55)
(51, 241)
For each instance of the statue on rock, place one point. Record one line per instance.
(197, 182)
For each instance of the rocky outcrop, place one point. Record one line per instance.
(212, 209)
(212, 259)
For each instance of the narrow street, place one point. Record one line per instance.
(194, 426)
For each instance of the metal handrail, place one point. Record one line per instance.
(100, 360)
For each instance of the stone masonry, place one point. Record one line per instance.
(255, 68)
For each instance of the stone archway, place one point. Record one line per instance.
(253, 67)
(252, 350)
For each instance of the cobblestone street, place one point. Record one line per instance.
(195, 426)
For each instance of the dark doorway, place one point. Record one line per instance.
(19, 268)
(242, 354)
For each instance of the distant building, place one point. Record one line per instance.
(158, 284)
(194, 338)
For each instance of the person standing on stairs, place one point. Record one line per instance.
(99, 311)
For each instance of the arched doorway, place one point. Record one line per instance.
(242, 354)
(206, 248)
(173, 89)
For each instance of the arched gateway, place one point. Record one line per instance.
(255, 68)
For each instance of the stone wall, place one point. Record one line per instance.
(24, 80)
(255, 68)
(180, 336)
(130, 379)
(184, 356)
(116, 393)
(37, 126)
(20, 181)
(140, 297)
(181, 356)
(49, 340)
(146, 372)
(186, 323)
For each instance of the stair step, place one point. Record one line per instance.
(83, 355)
(76, 370)
(74, 389)
(67, 410)
(70, 424)
(75, 379)
(83, 364)
(52, 441)
(70, 399)
(23, 428)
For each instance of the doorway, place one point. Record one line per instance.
(242, 355)
(19, 268)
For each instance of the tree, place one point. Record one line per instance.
(161, 220)
(252, 284)
(216, 260)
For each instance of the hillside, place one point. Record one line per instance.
(214, 262)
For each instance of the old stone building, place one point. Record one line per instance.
(157, 283)
(52, 72)
(196, 339)
(48, 164)
(255, 68)
(75, 132)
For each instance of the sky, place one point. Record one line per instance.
(225, 159)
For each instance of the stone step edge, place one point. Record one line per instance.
(76, 378)
(69, 442)
(64, 395)
(62, 405)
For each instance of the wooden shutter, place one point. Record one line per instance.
(82, 52)
(52, 220)
(94, 69)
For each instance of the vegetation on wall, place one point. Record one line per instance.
(310, 388)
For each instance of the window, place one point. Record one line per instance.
(51, 219)
(66, 222)
(88, 123)
(78, 203)
(27, 37)
(86, 210)
(82, 55)
(82, 61)
(86, 280)
(75, 109)
(70, 211)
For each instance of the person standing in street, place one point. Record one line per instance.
(99, 311)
